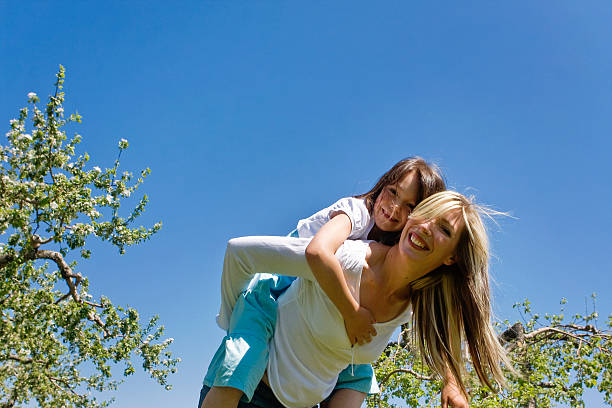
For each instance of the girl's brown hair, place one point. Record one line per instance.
(430, 182)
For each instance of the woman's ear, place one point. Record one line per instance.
(450, 260)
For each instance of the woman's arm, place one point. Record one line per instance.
(248, 256)
(452, 396)
(321, 256)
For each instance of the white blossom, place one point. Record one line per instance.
(54, 205)
(97, 169)
(60, 110)
(123, 144)
(31, 95)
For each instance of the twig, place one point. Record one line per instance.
(407, 371)
(96, 319)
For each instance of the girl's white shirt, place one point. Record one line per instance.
(355, 208)
(310, 346)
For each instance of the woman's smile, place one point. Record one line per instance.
(417, 242)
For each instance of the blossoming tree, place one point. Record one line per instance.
(556, 359)
(58, 345)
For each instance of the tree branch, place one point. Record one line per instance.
(64, 268)
(96, 319)
(55, 380)
(407, 371)
(25, 360)
(4, 259)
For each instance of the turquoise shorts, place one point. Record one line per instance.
(242, 357)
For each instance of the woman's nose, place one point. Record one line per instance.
(426, 227)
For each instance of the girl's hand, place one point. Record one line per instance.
(359, 326)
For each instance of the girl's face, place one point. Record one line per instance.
(432, 243)
(395, 203)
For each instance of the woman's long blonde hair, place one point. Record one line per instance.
(452, 303)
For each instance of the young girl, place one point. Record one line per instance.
(379, 214)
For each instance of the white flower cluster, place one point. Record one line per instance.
(167, 342)
(31, 95)
(82, 229)
(123, 144)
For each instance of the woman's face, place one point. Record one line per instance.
(432, 243)
(395, 203)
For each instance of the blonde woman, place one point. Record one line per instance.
(436, 276)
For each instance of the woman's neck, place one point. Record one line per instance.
(388, 272)
(394, 272)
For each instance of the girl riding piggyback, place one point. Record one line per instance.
(379, 215)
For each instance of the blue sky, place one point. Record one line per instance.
(253, 115)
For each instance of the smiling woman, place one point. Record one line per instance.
(437, 273)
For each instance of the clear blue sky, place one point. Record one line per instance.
(254, 114)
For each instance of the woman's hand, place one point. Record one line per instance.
(452, 395)
(359, 326)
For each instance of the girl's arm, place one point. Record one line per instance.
(247, 256)
(321, 256)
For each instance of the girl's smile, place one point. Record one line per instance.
(395, 203)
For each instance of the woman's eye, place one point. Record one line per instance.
(446, 230)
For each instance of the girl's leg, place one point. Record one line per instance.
(222, 397)
(248, 256)
(241, 359)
